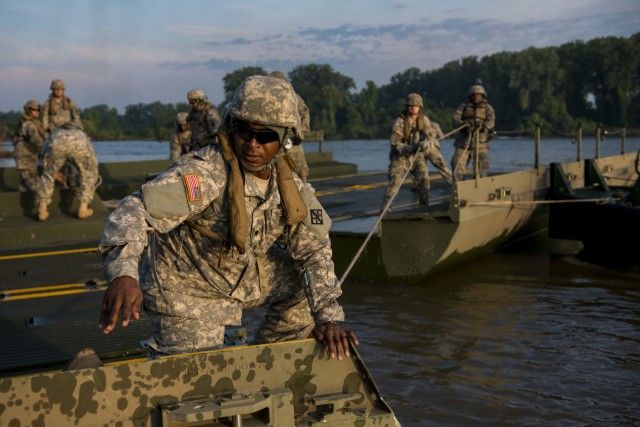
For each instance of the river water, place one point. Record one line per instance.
(528, 336)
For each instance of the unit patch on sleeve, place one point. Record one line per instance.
(194, 191)
(316, 216)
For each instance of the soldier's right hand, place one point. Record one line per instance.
(123, 295)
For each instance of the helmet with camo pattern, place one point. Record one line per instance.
(57, 84)
(31, 104)
(197, 95)
(414, 99)
(268, 101)
(477, 89)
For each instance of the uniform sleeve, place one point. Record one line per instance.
(160, 206)
(214, 121)
(397, 140)
(457, 116)
(490, 123)
(305, 119)
(45, 115)
(311, 251)
(33, 137)
(75, 114)
(174, 146)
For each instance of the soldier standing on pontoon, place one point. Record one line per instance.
(413, 135)
(28, 140)
(181, 137)
(204, 120)
(478, 115)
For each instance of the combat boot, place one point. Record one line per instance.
(84, 212)
(43, 212)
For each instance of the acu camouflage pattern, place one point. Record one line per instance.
(57, 111)
(296, 152)
(203, 124)
(402, 154)
(285, 385)
(266, 101)
(28, 142)
(204, 283)
(180, 143)
(71, 145)
(480, 117)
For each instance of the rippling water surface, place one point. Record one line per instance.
(519, 337)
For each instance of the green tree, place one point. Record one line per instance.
(325, 92)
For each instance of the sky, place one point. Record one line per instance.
(123, 52)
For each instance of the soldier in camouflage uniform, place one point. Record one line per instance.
(226, 228)
(294, 149)
(68, 144)
(28, 140)
(181, 137)
(478, 115)
(203, 120)
(59, 109)
(412, 135)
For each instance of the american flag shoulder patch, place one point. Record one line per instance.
(194, 190)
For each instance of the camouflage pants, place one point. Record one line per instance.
(437, 159)
(27, 165)
(461, 158)
(287, 317)
(80, 153)
(297, 155)
(398, 165)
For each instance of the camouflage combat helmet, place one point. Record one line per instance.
(278, 75)
(267, 101)
(414, 99)
(196, 95)
(57, 84)
(31, 104)
(181, 118)
(477, 89)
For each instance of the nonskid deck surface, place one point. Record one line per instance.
(51, 292)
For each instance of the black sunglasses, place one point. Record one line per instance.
(262, 136)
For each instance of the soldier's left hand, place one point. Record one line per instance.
(336, 338)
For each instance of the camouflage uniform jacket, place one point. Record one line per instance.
(29, 137)
(180, 143)
(57, 111)
(204, 125)
(407, 145)
(469, 112)
(195, 268)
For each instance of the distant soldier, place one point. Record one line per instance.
(478, 115)
(28, 140)
(68, 143)
(59, 109)
(204, 120)
(413, 135)
(181, 137)
(295, 150)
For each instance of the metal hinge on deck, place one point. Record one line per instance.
(270, 408)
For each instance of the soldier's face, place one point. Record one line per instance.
(256, 145)
(58, 92)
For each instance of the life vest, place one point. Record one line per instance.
(474, 111)
(406, 132)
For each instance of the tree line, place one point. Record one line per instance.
(575, 84)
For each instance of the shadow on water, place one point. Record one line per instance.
(528, 336)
